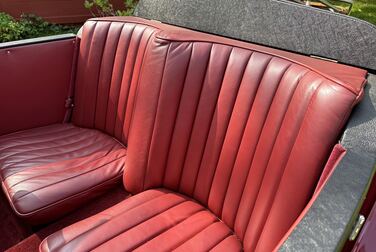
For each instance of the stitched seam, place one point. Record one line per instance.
(242, 135)
(124, 64)
(120, 232)
(64, 153)
(227, 127)
(284, 167)
(155, 118)
(243, 131)
(279, 127)
(112, 72)
(222, 240)
(38, 142)
(260, 133)
(129, 84)
(54, 127)
(140, 56)
(195, 118)
(176, 115)
(107, 220)
(46, 148)
(46, 208)
(165, 229)
(147, 48)
(191, 216)
(190, 237)
(100, 72)
(211, 122)
(80, 112)
(47, 173)
(97, 168)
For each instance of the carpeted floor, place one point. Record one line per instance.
(18, 236)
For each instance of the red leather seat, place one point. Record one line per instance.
(154, 220)
(48, 171)
(243, 133)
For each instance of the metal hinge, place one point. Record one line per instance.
(357, 227)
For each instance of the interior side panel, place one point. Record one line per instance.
(34, 82)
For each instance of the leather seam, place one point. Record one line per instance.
(155, 118)
(243, 131)
(143, 221)
(266, 167)
(227, 127)
(112, 72)
(211, 121)
(195, 118)
(46, 208)
(110, 217)
(38, 142)
(55, 172)
(284, 167)
(215, 220)
(55, 129)
(58, 182)
(257, 145)
(177, 114)
(118, 89)
(258, 137)
(44, 148)
(72, 151)
(166, 229)
(100, 71)
(129, 83)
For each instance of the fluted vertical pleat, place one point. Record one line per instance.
(110, 58)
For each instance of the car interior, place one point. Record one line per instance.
(138, 135)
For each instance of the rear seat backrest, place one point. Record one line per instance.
(244, 133)
(109, 61)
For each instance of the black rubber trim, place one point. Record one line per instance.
(36, 40)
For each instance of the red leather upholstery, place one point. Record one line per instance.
(48, 171)
(109, 61)
(154, 220)
(107, 75)
(243, 132)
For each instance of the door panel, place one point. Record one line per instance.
(34, 82)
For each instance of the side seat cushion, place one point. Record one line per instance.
(46, 172)
(154, 220)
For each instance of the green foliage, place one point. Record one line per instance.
(365, 9)
(105, 8)
(29, 26)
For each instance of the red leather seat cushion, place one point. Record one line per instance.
(154, 220)
(48, 171)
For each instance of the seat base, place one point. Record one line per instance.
(49, 171)
(154, 220)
